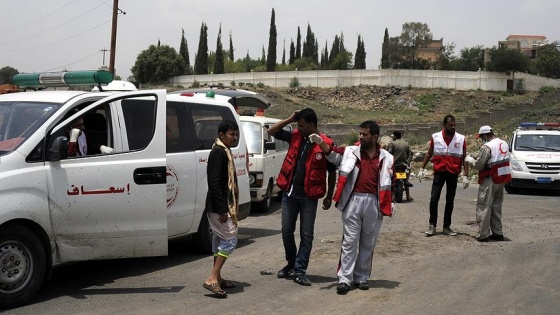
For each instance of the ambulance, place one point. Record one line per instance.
(535, 157)
(56, 209)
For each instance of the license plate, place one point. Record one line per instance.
(544, 180)
(401, 175)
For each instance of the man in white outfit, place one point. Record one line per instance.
(494, 172)
(364, 192)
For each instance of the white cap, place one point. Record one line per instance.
(484, 130)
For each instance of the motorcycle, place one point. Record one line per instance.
(401, 171)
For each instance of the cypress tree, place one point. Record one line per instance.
(219, 62)
(385, 51)
(184, 52)
(230, 47)
(298, 44)
(284, 53)
(271, 57)
(292, 53)
(360, 59)
(201, 59)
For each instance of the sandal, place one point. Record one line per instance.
(215, 288)
(226, 284)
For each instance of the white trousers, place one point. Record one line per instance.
(361, 223)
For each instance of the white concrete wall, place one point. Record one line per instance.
(458, 80)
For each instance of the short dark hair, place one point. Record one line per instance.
(447, 118)
(397, 134)
(227, 125)
(308, 114)
(372, 126)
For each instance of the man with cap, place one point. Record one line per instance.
(494, 172)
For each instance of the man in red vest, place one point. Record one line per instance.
(447, 153)
(494, 173)
(303, 179)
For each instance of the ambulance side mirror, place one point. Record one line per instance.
(269, 146)
(59, 149)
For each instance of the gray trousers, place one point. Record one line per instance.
(489, 208)
(361, 223)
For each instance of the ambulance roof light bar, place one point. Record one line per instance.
(56, 79)
(535, 125)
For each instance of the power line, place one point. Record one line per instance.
(50, 29)
(31, 48)
(73, 62)
(37, 20)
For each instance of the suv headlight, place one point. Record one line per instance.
(256, 179)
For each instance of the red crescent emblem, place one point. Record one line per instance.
(502, 152)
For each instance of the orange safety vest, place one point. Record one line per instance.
(448, 158)
(315, 185)
(500, 170)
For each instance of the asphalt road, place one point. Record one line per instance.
(412, 273)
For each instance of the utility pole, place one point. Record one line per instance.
(113, 37)
(104, 50)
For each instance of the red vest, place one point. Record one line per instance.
(448, 158)
(500, 170)
(315, 167)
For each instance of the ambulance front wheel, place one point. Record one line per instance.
(22, 265)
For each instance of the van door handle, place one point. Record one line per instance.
(150, 175)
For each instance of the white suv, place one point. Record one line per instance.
(535, 157)
(266, 156)
(57, 209)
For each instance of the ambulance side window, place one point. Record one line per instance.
(205, 119)
(179, 130)
(140, 121)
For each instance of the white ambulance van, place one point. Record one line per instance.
(56, 209)
(266, 156)
(535, 157)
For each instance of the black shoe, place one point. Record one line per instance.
(408, 185)
(497, 237)
(285, 272)
(362, 285)
(302, 280)
(342, 288)
(483, 240)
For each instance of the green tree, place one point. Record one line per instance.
(230, 52)
(201, 58)
(471, 58)
(395, 53)
(504, 59)
(263, 57)
(335, 49)
(219, 62)
(184, 52)
(360, 58)
(309, 45)
(6, 74)
(445, 57)
(271, 57)
(385, 50)
(342, 61)
(298, 44)
(157, 64)
(414, 35)
(292, 53)
(325, 57)
(284, 53)
(548, 62)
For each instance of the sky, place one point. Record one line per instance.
(53, 35)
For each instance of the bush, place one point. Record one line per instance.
(545, 90)
(260, 85)
(232, 83)
(294, 82)
(195, 84)
(352, 138)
